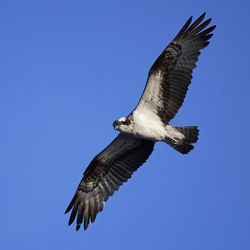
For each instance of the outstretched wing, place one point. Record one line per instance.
(106, 172)
(171, 74)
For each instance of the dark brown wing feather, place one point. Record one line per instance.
(105, 174)
(171, 74)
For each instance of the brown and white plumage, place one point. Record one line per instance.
(171, 74)
(105, 174)
(167, 84)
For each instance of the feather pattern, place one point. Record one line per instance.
(106, 172)
(171, 74)
(166, 88)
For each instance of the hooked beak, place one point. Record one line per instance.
(115, 125)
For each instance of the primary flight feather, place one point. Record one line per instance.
(165, 91)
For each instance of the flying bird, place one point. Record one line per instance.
(166, 87)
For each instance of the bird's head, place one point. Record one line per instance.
(123, 124)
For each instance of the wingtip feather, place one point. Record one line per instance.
(191, 29)
(185, 26)
(70, 204)
(203, 15)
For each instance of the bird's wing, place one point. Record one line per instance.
(106, 172)
(171, 74)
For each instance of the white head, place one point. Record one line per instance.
(124, 124)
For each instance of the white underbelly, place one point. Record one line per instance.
(149, 126)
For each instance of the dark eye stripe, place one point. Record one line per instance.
(126, 122)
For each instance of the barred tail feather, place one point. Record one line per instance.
(191, 136)
(191, 133)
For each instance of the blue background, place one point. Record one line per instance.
(68, 70)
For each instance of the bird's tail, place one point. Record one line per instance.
(184, 145)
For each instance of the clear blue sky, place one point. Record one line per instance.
(68, 70)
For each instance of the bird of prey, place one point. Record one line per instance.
(166, 87)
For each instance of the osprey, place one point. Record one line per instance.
(167, 84)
